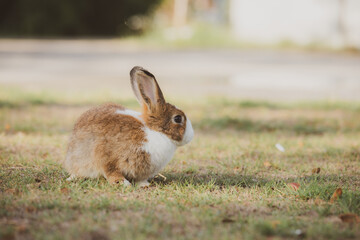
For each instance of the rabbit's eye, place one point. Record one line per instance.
(177, 119)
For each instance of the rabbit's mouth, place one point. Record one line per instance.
(188, 135)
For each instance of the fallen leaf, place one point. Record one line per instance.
(350, 218)
(22, 228)
(12, 191)
(30, 209)
(8, 236)
(267, 164)
(65, 190)
(294, 186)
(316, 170)
(228, 220)
(336, 195)
(274, 223)
(99, 235)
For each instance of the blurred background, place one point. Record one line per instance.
(276, 50)
(272, 88)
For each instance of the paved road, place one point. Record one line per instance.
(81, 65)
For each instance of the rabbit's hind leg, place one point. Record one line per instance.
(117, 178)
(113, 174)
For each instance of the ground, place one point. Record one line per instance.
(230, 182)
(103, 66)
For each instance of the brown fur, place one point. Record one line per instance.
(161, 121)
(115, 145)
(157, 115)
(107, 143)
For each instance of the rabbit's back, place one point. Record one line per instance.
(104, 140)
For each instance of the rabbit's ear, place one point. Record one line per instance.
(146, 89)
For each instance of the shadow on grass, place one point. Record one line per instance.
(311, 187)
(227, 179)
(350, 153)
(221, 180)
(215, 126)
(26, 102)
(314, 105)
(53, 103)
(35, 103)
(299, 126)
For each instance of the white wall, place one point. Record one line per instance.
(300, 21)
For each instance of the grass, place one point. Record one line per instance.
(229, 183)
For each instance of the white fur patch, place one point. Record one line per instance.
(126, 183)
(132, 113)
(160, 147)
(189, 133)
(144, 184)
(72, 177)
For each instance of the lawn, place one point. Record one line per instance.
(230, 182)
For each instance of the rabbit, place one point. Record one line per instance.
(126, 146)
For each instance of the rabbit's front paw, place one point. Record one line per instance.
(144, 184)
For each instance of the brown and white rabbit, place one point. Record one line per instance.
(127, 146)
